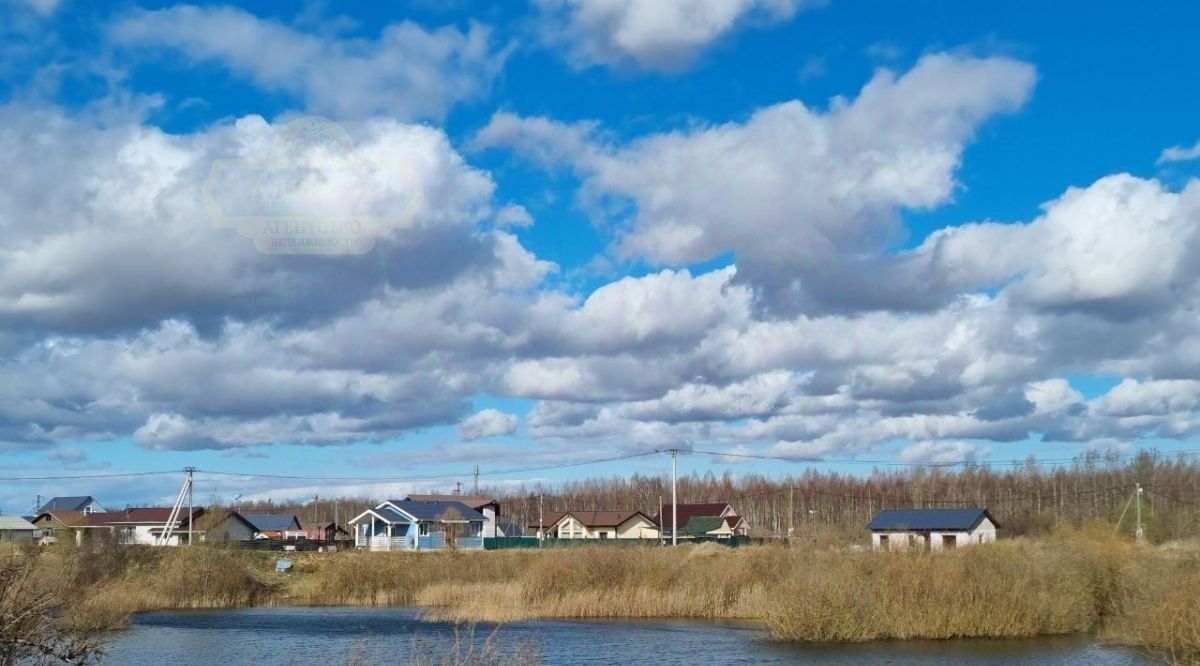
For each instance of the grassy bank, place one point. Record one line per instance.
(1071, 582)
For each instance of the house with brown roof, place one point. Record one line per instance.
(135, 525)
(325, 531)
(730, 523)
(57, 524)
(597, 525)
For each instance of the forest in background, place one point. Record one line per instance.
(1027, 498)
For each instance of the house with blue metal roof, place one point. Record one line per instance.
(82, 504)
(931, 529)
(416, 525)
(274, 525)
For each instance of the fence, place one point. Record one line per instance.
(299, 545)
(504, 543)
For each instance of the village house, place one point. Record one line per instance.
(140, 525)
(225, 527)
(931, 529)
(597, 525)
(145, 525)
(58, 524)
(712, 527)
(413, 525)
(274, 525)
(730, 523)
(325, 531)
(487, 506)
(16, 529)
(82, 504)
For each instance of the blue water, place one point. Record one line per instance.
(394, 635)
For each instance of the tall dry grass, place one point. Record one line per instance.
(1012, 589)
(1078, 580)
(1156, 606)
(177, 578)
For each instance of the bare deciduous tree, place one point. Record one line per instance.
(32, 630)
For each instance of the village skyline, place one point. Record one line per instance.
(361, 251)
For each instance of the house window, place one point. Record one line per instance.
(423, 529)
(949, 541)
(476, 529)
(603, 535)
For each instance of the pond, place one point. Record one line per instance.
(390, 636)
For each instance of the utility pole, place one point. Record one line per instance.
(458, 487)
(37, 505)
(1138, 533)
(191, 509)
(791, 513)
(541, 522)
(674, 499)
(477, 479)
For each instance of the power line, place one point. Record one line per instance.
(61, 477)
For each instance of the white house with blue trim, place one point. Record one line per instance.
(413, 525)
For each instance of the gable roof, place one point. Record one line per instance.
(702, 525)
(929, 519)
(548, 519)
(443, 511)
(602, 518)
(473, 501)
(272, 522)
(209, 520)
(67, 503)
(66, 517)
(16, 523)
(685, 512)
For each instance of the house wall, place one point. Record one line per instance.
(489, 525)
(569, 528)
(11, 536)
(637, 528)
(985, 532)
(141, 535)
(229, 530)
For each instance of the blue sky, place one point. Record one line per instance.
(920, 232)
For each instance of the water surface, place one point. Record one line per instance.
(390, 635)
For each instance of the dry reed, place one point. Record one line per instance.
(1078, 580)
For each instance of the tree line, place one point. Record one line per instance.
(1025, 498)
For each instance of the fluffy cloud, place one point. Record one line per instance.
(407, 71)
(653, 34)
(84, 200)
(126, 313)
(807, 200)
(487, 423)
(1119, 248)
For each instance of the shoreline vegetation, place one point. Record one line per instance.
(1073, 580)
